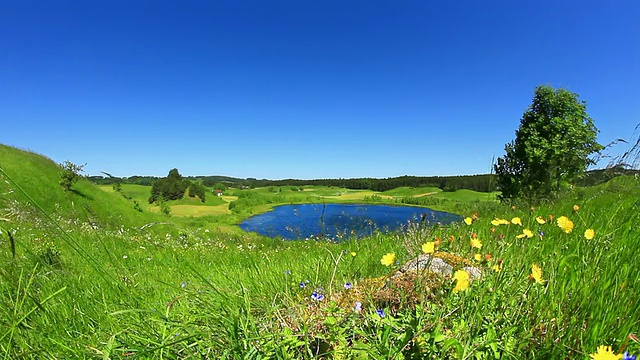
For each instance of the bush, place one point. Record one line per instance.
(70, 174)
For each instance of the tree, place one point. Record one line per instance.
(69, 174)
(553, 145)
(197, 189)
(170, 188)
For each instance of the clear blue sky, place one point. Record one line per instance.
(304, 89)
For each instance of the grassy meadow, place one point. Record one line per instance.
(86, 274)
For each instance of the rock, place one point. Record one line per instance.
(437, 265)
(425, 261)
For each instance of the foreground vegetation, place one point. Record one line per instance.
(83, 274)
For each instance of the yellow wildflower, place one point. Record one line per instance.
(388, 259)
(353, 253)
(516, 221)
(477, 257)
(540, 220)
(497, 268)
(589, 234)
(476, 243)
(462, 280)
(528, 233)
(576, 207)
(429, 247)
(536, 274)
(495, 222)
(565, 224)
(468, 220)
(605, 353)
(521, 236)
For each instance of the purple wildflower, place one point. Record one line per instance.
(348, 286)
(317, 296)
(380, 313)
(627, 356)
(303, 285)
(358, 306)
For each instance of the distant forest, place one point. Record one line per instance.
(481, 182)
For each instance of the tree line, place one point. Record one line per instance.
(481, 182)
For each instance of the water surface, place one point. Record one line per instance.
(338, 221)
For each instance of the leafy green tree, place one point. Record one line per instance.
(69, 174)
(553, 145)
(197, 189)
(219, 186)
(162, 204)
(172, 187)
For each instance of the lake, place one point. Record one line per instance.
(305, 221)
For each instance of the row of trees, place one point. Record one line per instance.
(484, 182)
(174, 186)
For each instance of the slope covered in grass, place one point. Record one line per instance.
(195, 293)
(39, 177)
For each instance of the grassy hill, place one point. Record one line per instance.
(31, 184)
(549, 289)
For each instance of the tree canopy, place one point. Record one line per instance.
(69, 174)
(171, 187)
(552, 146)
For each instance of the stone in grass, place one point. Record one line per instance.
(440, 263)
(421, 279)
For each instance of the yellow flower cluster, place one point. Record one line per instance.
(526, 233)
(429, 247)
(605, 353)
(565, 224)
(589, 234)
(462, 280)
(388, 259)
(498, 222)
(536, 274)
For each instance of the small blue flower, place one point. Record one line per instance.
(541, 233)
(380, 313)
(627, 356)
(358, 306)
(317, 296)
(348, 286)
(303, 285)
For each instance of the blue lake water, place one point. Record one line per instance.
(340, 220)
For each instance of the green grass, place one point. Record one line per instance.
(184, 289)
(465, 195)
(407, 191)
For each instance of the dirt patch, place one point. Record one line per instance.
(425, 194)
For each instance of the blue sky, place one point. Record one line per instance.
(304, 89)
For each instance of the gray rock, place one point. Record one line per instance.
(427, 262)
(435, 265)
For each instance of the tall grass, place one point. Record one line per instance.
(77, 288)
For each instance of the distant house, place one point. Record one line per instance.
(217, 192)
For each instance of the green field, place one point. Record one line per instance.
(85, 275)
(263, 199)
